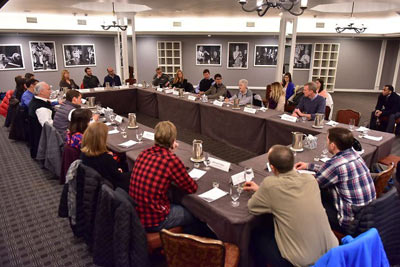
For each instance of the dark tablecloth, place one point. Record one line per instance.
(147, 102)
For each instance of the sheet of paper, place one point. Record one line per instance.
(118, 119)
(159, 89)
(361, 129)
(148, 135)
(99, 89)
(192, 97)
(373, 138)
(175, 92)
(219, 164)
(218, 103)
(128, 143)
(213, 194)
(84, 91)
(196, 174)
(250, 110)
(113, 132)
(306, 172)
(108, 123)
(325, 159)
(287, 117)
(169, 91)
(239, 178)
(332, 123)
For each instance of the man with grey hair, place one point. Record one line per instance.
(40, 111)
(311, 103)
(245, 96)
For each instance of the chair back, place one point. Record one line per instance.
(382, 179)
(344, 116)
(70, 154)
(327, 112)
(257, 100)
(189, 250)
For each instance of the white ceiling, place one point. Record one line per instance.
(201, 8)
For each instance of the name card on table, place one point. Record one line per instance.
(159, 89)
(82, 91)
(287, 117)
(128, 143)
(118, 119)
(169, 91)
(175, 92)
(250, 110)
(219, 164)
(148, 135)
(218, 103)
(239, 178)
(99, 89)
(373, 138)
(192, 97)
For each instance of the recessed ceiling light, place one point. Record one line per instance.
(209, 35)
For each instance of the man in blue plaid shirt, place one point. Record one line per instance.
(348, 177)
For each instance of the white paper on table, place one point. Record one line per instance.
(108, 123)
(118, 119)
(373, 138)
(239, 178)
(213, 194)
(169, 91)
(362, 129)
(287, 117)
(218, 103)
(263, 109)
(186, 93)
(196, 174)
(148, 135)
(219, 164)
(84, 91)
(325, 159)
(250, 110)
(99, 89)
(140, 85)
(175, 92)
(128, 143)
(306, 172)
(126, 86)
(332, 123)
(159, 89)
(192, 97)
(113, 132)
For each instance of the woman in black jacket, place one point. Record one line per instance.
(180, 82)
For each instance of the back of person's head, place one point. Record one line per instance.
(165, 134)
(281, 157)
(206, 71)
(29, 76)
(311, 86)
(158, 69)
(31, 82)
(341, 137)
(71, 94)
(321, 81)
(39, 87)
(80, 119)
(86, 69)
(94, 142)
(276, 91)
(390, 87)
(20, 82)
(217, 76)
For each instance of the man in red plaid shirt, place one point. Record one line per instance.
(154, 171)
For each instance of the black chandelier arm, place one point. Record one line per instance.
(263, 12)
(249, 10)
(285, 8)
(297, 14)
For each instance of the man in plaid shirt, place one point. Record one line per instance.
(348, 176)
(154, 171)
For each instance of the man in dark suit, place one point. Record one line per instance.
(387, 105)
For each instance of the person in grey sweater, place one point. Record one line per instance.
(311, 103)
(161, 79)
(217, 89)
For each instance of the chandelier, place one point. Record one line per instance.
(114, 23)
(263, 6)
(351, 25)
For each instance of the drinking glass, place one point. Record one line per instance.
(247, 174)
(139, 135)
(303, 119)
(324, 153)
(112, 118)
(352, 123)
(206, 162)
(234, 192)
(123, 132)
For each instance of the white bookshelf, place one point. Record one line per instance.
(169, 54)
(324, 65)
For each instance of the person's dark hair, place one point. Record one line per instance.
(19, 86)
(390, 87)
(71, 94)
(341, 137)
(281, 157)
(290, 78)
(321, 81)
(157, 69)
(86, 69)
(80, 119)
(217, 76)
(29, 76)
(206, 71)
(30, 82)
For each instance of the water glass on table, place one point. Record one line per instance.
(352, 123)
(123, 132)
(206, 161)
(139, 135)
(304, 118)
(234, 192)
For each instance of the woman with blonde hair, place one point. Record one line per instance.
(66, 81)
(276, 98)
(96, 155)
(179, 80)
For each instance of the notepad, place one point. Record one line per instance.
(373, 138)
(332, 123)
(113, 132)
(213, 194)
(196, 174)
(128, 143)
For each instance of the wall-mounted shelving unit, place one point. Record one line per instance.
(324, 66)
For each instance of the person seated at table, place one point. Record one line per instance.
(29, 76)
(80, 119)
(112, 78)
(245, 96)
(63, 113)
(179, 80)
(288, 85)
(217, 89)
(95, 155)
(388, 102)
(276, 99)
(160, 79)
(20, 87)
(28, 94)
(205, 83)
(157, 168)
(66, 81)
(311, 103)
(346, 177)
(300, 233)
(89, 80)
(324, 93)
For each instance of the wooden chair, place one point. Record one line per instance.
(381, 181)
(154, 241)
(327, 112)
(190, 250)
(344, 116)
(389, 160)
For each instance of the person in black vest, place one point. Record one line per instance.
(161, 79)
(387, 105)
(112, 78)
(205, 83)
(90, 81)
(40, 111)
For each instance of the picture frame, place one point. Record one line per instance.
(79, 55)
(208, 54)
(43, 55)
(238, 55)
(302, 56)
(265, 55)
(11, 57)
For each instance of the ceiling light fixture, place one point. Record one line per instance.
(114, 23)
(263, 6)
(351, 25)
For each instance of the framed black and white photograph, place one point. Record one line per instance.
(43, 55)
(208, 54)
(79, 55)
(238, 55)
(11, 57)
(302, 56)
(265, 55)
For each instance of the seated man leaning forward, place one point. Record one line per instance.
(154, 171)
(346, 177)
(301, 233)
(245, 96)
(217, 89)
(311, 103)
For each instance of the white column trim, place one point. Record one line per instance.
(117, 55)
(380, 65)
(281, 49)
(293, 46)
(125, 61)
(134, 49)
(396, 69)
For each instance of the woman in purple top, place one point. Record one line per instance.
(288, 85)
(80, 119)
